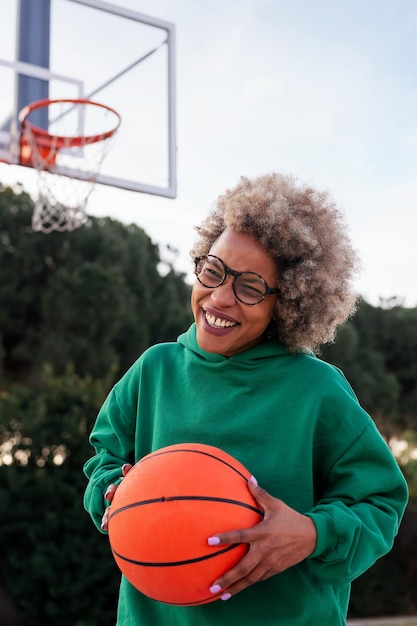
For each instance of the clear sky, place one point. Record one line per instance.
(323, 89)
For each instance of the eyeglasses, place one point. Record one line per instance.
(248, 287)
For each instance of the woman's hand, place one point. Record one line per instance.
(283, 538)
(109, 495)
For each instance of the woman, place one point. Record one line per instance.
(274, 269)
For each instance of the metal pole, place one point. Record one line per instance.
(33, 47)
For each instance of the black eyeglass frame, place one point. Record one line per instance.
(269, 291)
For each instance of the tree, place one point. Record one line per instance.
(49, 548)
(76, 309)
(377, 350)
(93, 297)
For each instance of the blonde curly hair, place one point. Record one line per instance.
(307, 236)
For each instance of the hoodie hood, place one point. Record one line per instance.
(266, 349)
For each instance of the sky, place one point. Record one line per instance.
(325, 90)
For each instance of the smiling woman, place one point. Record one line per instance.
(274, 269)
(225, 323)
(306, 235)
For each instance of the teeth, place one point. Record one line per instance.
(217, 322)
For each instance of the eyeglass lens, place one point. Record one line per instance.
(248, 286)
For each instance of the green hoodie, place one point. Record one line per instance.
(295, 423)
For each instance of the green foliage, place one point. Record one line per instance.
(49, 548)
(379, 591)
(76, 309)
(377, 351)
(407, 458)
(93, 297)
(389, 587)
(50, 424)
(52, 551)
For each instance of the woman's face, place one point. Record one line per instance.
(224, 324)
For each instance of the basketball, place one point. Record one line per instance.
(163, 513)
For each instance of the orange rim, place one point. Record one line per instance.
(43, 139)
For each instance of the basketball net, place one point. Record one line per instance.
(68, 161)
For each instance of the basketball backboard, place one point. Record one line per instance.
(103, 52)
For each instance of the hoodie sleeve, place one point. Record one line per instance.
(113, 438)
(354, 531)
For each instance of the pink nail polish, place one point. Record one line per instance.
(226, 596)
(215, 589)
(213, 541)
(253, 480)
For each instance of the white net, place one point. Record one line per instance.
(67, 158)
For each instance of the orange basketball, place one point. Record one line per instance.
(164, 511)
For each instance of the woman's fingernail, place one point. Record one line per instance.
(253, 480)
(215, 589)
(226, 596)
(213, 541)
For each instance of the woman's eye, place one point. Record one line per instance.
(214, 272)
(250, 290)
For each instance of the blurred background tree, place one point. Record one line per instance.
(93, 298)
(76, 310)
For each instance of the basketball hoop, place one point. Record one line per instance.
(67, 157)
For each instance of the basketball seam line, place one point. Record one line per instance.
(172, 563)
(197, 498)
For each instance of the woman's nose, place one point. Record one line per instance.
(224, 295)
